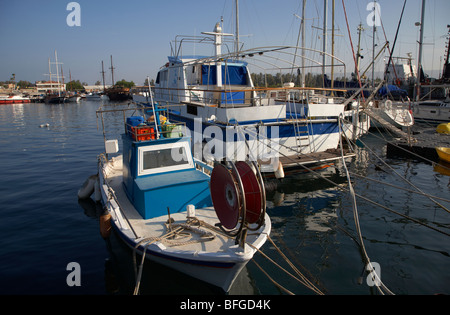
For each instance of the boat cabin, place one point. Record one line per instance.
(159, 172)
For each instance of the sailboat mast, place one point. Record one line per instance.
(103, 77)
(358, 53)
(112, 72)
(325, 19)
(237, 29)
(419, 66)
(50, 74)
(332, 43)
(303, 43)
(57, 73)
(373, 45)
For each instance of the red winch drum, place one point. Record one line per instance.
(252, 190)
(226, 194)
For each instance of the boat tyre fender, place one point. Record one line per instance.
(88, 187)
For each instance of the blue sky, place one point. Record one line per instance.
(138, 33)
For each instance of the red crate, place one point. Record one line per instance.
(143, 133)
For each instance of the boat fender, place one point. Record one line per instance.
(87, 188)
(105, 225)
(388, 105)
(443, 128)
(190, 211)
(279, 173)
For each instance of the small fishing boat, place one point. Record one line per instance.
(14, 99)
(443, 153)
(205, 221)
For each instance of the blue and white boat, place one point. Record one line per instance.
(216, 98)
(177, 211)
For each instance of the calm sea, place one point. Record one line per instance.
(44, 227)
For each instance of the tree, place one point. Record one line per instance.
(125, 84)
(24, 84)
(74, 86)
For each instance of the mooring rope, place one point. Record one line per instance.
(149, 240)
(356, 218)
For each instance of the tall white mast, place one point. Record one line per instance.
(217, 33)
(325, 19)
(303, 43)
(419, 66)
(237, 30)
(57, 73)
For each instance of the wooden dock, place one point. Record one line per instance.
(427, 139)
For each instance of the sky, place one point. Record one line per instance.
(137, 34)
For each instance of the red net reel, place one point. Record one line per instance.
(237, 193)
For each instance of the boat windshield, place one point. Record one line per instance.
(164, 158)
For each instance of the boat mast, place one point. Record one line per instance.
(112, 71)
(373, 44)
(419, 66)
(50, 75)
(237, 30)
(325, 18)
(358, 54)
(57, 73)
(103, 77)
(332, 45)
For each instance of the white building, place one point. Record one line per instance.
(95, 88)
(49, 86)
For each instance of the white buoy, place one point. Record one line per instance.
(87, 188)
(279, 173)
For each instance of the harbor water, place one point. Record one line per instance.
(48, 151)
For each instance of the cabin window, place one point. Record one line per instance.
(231, 75)
(191, 109)
(164, 158)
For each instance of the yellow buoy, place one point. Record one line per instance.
(443, 128)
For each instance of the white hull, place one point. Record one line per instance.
(432, 111)
(397, 114)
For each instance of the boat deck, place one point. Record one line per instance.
(322, 159)
(196, 239)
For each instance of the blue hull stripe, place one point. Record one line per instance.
(284, 130)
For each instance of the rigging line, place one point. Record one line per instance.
(403, 178)
(272, 280)
(396, 34)
(356, 215)
(304, 281)
(398, 187)
(388, 47)
(346, 190)
(398, 147)
(353, 49)
(304, 278)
